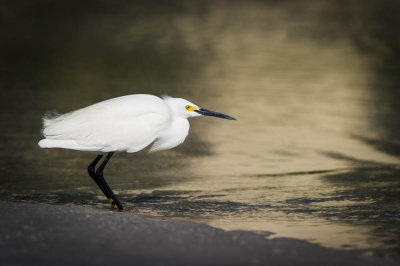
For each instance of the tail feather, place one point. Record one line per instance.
(51, 118)
(66, 144)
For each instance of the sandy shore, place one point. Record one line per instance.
(41, 234)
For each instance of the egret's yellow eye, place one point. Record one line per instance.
(191, 108)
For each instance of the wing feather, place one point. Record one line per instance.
(128, 123)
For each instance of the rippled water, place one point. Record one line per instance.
(314, 153)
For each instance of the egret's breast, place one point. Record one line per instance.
(172, 136)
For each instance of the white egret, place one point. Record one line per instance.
(128, 123)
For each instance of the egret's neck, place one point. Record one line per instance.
(172, 136)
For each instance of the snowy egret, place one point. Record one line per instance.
(128, 123)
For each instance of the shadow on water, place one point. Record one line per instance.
(380, 189)
(381, 43)
(314, 153)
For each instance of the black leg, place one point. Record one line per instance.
(99, 174)
(92, 173)
(101, 182)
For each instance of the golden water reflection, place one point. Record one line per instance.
(310, 85)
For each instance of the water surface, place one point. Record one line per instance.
(314, 153)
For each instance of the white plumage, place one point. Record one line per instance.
(128, 123)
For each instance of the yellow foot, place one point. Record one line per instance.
(115, 205)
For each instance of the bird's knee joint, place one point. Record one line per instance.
(91, 169)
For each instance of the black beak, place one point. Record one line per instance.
(212, 113)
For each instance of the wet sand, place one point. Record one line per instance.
(42, 234)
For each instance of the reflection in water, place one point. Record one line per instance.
(314, 153)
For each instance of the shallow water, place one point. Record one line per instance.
(314, 153)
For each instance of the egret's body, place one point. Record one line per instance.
(128, 123)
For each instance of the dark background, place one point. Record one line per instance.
(314, 85)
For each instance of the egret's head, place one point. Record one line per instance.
(183, 108)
